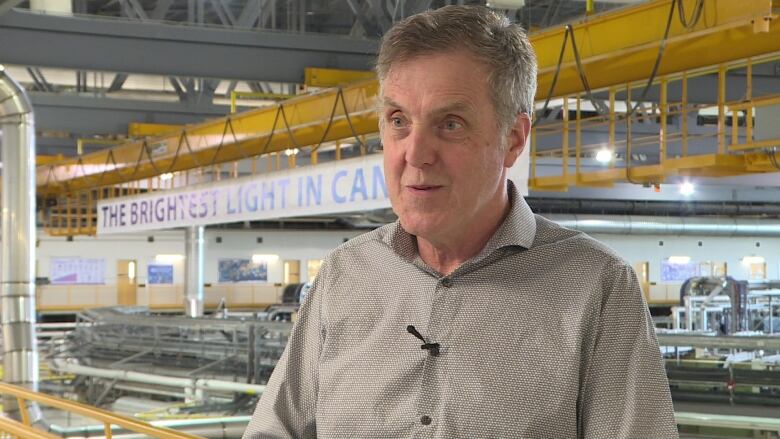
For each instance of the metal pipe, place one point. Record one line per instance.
(193, 286)
(189, 384)
(17, 277)
(650, 225)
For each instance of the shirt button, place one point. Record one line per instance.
(425, 420)
(446, 282)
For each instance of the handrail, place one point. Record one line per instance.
(108, 418)
(19, 429)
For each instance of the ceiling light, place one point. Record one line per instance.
(166, 176)
(604, 156)
(687, 189)
(168, 258)
(289, 152)
(679, 260)
(748, 260)
(505, 4)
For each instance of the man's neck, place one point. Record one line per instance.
(446, 254)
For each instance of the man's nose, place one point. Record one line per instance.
(420, 149)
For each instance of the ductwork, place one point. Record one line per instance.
(17, 278)
(674, 226)
(691, 208)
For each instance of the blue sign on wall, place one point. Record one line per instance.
(242, 270)
(159, 274)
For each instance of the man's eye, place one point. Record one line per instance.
(452, 125)
(397, 122)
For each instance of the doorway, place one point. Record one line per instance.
(292, 271)
(126, 274)
(643, 273)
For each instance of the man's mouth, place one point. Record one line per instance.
(424, 187)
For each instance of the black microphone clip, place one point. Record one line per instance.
(432, 348)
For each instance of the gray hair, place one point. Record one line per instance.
(488, 36)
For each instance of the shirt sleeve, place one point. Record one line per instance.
(287, 407)
(625, 392)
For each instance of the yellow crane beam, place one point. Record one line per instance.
(305, 120)
(141, 129)
(614, 48)
(622, 46)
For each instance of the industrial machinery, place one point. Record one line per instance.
(724, 344)
(728, 306)
(183, 367)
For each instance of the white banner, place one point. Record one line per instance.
(333, 187)
(350, 185)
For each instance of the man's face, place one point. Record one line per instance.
(444, 155)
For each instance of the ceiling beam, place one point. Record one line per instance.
(90, 43)
(81, 116)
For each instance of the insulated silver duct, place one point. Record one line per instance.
(658, 225)
(17, 279)
(193, 283)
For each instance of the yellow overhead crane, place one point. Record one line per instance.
(607, 51)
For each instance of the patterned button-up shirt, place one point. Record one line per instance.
(543, 334)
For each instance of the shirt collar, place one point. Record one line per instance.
(518, 229)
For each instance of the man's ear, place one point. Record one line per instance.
(516, 138)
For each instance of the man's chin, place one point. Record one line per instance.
(421, 227)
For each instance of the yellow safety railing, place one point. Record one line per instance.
(107, 418)
(18, 429)
(724, 154)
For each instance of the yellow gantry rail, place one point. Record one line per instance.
(614, 51)
(24, 429)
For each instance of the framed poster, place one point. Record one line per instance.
(75, 270)
(675, 272)
(242, 270)
(159, 274)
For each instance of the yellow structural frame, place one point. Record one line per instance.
(140, 129)
(728, 30)
(615, 49)
(321, 77)
(307, 120)
(622, 46)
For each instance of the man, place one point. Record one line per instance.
(526, 329)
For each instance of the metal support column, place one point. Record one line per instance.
(17, 279)
(193, 284)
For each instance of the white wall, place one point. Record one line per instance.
(638, 248)
(305, 245)
(301, 245)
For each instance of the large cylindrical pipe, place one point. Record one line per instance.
(193, 282)
(161, 380)
(675, 226)
(17, 277)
